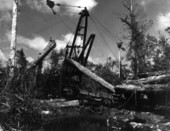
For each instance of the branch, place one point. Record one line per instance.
(125, 20)
(126, 6)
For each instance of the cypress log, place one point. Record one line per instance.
(144, 89)
(152, 79)
(91, 75)
(156, 73)
(51, 45)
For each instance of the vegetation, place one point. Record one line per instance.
(146, 52)
(137, 25)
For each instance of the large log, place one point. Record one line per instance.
(64, 103)
(156, 73)
(144, 89)
(51, 45)
(91, 75)
(152, 79)
(156, 79)
(55, 103)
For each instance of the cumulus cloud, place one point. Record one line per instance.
(67, 39)
(30, 59)
(145, 2)
(5, 17)
(89, 4)
(39, 43)
(6, 5)
(96, 60)
(163, 21)
(41, 6)
(90, 59)
(2, 56)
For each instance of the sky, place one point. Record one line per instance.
(37, 24)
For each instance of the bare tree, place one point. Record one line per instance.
(13, 37)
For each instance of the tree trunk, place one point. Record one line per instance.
(13, 37)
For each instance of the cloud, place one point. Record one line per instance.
(41, 5)
(96, 60)
(90, 59)
(6, 5)
(5, 8)
(39, 43)
(162, 3)
(5, 17)
(89, 4)
(67, 39)
(30, 59)
(145, 2)
(2, 56)
(163, 21)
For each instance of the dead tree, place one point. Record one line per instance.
(13, 37)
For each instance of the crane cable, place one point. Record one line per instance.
(48, 27)
(64, 22)
(73, 6)
(108, 46)
(106, 29)
(106, 33)
(97, 27)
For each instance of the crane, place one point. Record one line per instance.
(76, 56)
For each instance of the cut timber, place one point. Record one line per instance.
(64, 104)
(152, 79)
(53, 104)
(156, 73)
(96, 94)
(144, 89)
(155, 78)
(91, 75)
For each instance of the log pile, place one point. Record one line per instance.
(150, 84)
(156, 87)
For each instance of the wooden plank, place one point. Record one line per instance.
(90, 74)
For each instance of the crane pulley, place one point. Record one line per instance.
(51, 4)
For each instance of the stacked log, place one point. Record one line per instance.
(149, 84)
(156, 88)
